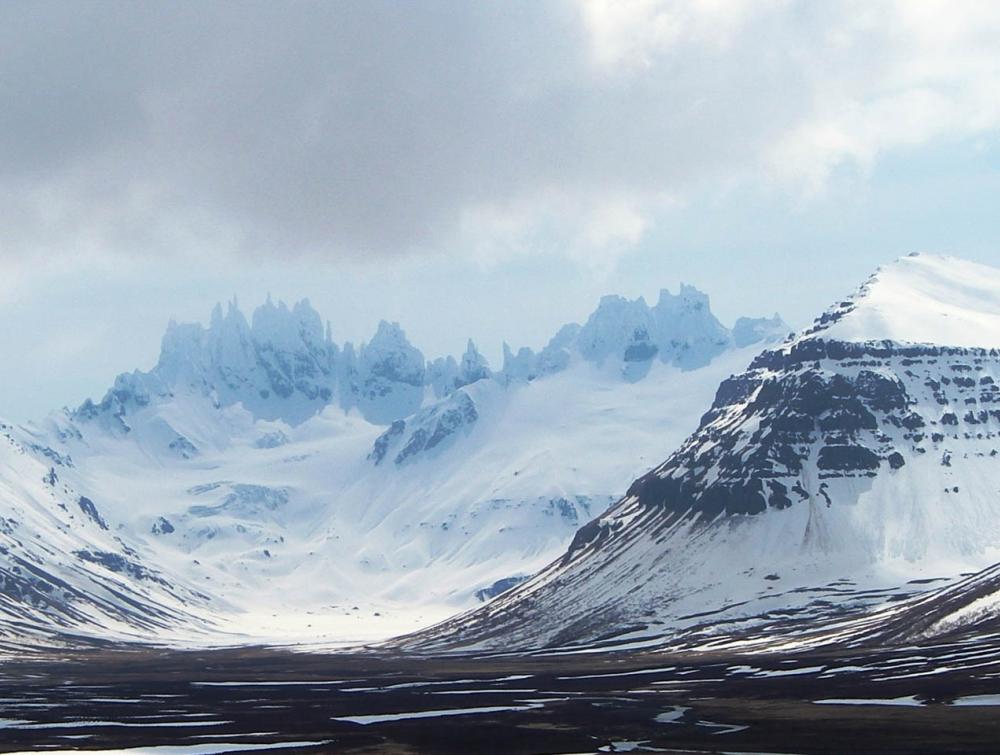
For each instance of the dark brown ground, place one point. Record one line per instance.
(107, 699)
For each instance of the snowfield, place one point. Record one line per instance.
(923, 299)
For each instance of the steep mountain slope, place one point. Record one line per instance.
(285, 486)
(63, 566)
(972, 604)
(969, 606)
(857, 461)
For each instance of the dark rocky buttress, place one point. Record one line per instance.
(816, 411)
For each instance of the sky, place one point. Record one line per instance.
(483, 170)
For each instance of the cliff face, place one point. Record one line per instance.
(283, 366)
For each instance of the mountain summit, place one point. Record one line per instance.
(920, 299)
(282, 366)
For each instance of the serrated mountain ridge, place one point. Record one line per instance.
(283, 364)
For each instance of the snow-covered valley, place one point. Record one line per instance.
(248, 488)
(263, 484)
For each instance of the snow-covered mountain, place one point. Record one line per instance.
(263, 479)
(284, 365)
(857, 461)
(62, 565)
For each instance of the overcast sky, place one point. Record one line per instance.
(470, 168)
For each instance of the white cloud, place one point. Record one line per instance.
(633, 33)
(590, 228)
(924, 71)
(371, 129)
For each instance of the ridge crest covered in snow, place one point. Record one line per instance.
(919, 299)
(283, 364)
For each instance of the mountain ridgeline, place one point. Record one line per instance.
(283, 363)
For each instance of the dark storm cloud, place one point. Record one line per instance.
(351, 126)
(356, 128)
